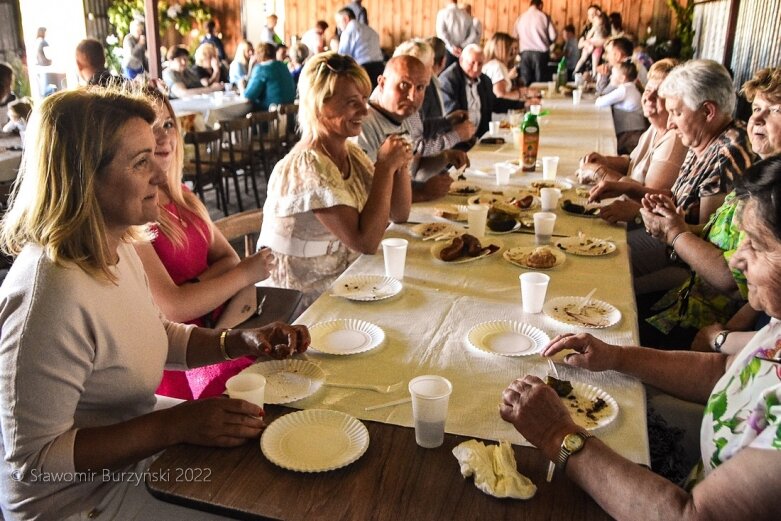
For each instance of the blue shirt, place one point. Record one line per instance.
(269, 83)
(361, 42)
(237, 72)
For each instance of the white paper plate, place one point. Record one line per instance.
(479, 173)
(586, 246)
(507, 338)
(345, 336)
(315, 440)
(580, 402)
(462, 189)
(561, 184)
(460, 210)
(289, 380)
(519, 255)
(487, 198)
(425, 230)
(598, 314)
(439, 246)
(366, 288)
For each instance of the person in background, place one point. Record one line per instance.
(267, 33)
(627, 109)
(454, 27)
(191, 268)
(269, 80)
(570, 51)
(18, 114)
(297, 60)
(617, 26)
(361, 42)
(42, 48)
(476, 23)
(213, 38)
(239, 68)
(315, 38)
(134, 60)
(326, 202)
(536, 33)
(592, 45)
(361, 15)
(91, 64)
(82, 343)
(465, 87)
(617, 51)
(501, 51)
(640, 54)
(281, 54)
(208, 66)
(6, 91)
(181, 80)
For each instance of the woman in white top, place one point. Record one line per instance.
(326, 202)
(500, 54)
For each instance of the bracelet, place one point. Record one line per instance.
(672, 243)
(223, 337)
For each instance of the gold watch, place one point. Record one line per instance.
(572, 443)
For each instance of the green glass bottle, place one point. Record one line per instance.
(561, 73)
(530, 141)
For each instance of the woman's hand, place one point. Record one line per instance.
(256, 267)
(457, 158)
(591, 353)
(620, 210)
(590, 172)
(537, 412)
(593, 157)
(394, 153)
(215, 422)
(277, 340)
(606, 189)
(661, 218)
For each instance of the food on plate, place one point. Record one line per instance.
(426, 230)
(541, 257)
(505, 125)
(562, 387)
(582, 192)
(571, 207)
(523, 202)
(449, 212)
(465, 246)
(459, 188)
(506, 208)
(500, 220)
(543, 184)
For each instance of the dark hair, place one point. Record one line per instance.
(569, 28)
(762, 184)
(322, 25)
(615, 21)
(439, 48)
(629, 70)
(536, 3)
(177, 51)
(346, 11)
(266, 51)
(624, 44)
(6, 76)
(211, 25)
(594, 6)
(93, 52)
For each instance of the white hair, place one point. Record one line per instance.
(418, 48)
(696, 81)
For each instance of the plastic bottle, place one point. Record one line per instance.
(530, 141)
(561, 73)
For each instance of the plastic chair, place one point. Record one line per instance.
(204, 168)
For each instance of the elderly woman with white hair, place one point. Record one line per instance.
(326, 202)
(700, 99)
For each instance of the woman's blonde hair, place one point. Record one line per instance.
(318, 83)
(660, 69)
(498, 47)
(204, 54)
(167, 223)
(71, 139)
(241, 52)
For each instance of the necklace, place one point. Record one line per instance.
(175, 214)
(343, 166)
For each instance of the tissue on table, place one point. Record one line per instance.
(494, 470)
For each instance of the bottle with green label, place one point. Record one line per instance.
(561, 73)
(530, 141)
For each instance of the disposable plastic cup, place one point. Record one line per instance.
(503, 172)
(394, 252)
(493, 127)
(517, 137)
(576, 94)
(550, 166)
(430, 397)
(549, 198)
(247, 386)
(477, 214)
(534, 286)
(544, 222)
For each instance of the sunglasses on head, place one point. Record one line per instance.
(339, 63)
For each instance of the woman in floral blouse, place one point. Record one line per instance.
(740, 438)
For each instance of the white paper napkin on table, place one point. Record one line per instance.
(494, 470)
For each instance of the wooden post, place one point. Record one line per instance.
(152, 38)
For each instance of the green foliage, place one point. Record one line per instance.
(184, 17)
(685, 31)
(21, 86)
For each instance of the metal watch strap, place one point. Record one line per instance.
(721, 337)
(565, 453)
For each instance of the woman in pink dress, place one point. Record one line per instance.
(191, 267)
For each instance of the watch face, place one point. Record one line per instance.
(573, 442)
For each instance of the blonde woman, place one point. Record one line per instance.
(326, 202)
(207, 65)
(239, 68)
(501, 51)
(82, 344)
(192, 269)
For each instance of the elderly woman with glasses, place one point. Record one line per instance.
(82, 343)
(740, 436)
(326, 202)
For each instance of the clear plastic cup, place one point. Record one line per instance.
(430, 398)
(534, 286)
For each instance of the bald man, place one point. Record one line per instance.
(393, 109)
(465, 87)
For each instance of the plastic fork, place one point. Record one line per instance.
(586, 301)
(382, 389)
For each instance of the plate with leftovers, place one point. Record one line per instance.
(434, 229)
(462, 189)
(465, 248)
(590, 407)
(452, 212)
(507, 338)
(580, 207)
(586, 246)
(288, 380)
(534, 257)
(366, 288)
(572, 311)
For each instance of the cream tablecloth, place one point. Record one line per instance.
(213, 107)
(427, 323)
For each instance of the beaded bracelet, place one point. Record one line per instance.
(223, 350)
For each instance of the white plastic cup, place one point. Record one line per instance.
(247, 386)
(576, 94)
(494, 127)
(394, 252)
(549, 198)
(551, 88)
(544, 222)
(517, 138)
(503, 172)
(477, 214)
(550, 166)
(430, 397)
(534, 286)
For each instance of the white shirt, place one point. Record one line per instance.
(497, 71)
(534, 31)
(455, 28)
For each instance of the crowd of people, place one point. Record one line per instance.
(104, 228)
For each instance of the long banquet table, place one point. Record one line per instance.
(425, 327)
(212, 107)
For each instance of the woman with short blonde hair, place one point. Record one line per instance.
(501, 51)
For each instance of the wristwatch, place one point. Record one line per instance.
(571, 444)
(719, 340)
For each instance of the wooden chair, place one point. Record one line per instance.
(204, 169)
(244, 225)
(265, 127)
(288, 113)
(239, 156)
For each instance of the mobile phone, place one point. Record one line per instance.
(492, 141)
